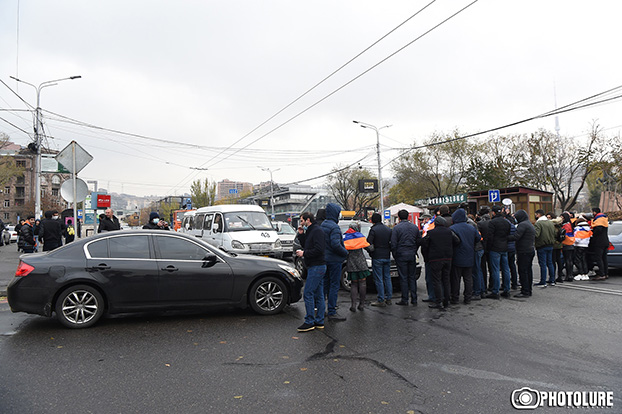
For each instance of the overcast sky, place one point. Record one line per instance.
(198, 76)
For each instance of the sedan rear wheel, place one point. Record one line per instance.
(268, 296)
(79, 306)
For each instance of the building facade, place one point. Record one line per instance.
(227, 188)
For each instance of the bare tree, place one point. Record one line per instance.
(343, 184)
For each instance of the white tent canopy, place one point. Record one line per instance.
(403, 206)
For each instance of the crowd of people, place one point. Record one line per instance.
(47, 234)
(487, 255)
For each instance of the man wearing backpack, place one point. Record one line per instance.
(545, 238)
(70, 233)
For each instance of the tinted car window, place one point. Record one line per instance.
(175, 248)
(98, 248)
(131, 247)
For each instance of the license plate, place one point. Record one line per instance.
(394, 273)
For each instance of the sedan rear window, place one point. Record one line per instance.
(98, 249)
(129, 247)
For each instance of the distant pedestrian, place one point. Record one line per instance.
(567, 248)
(335, 255)
(405, 240)
(497, 240)
(379, 239)
(313, 255)
(582, 235)
(544, 240)
(463, 257)
(51, 231)
(156, 223)
(27, 236)
(356, 265)
(109, 222)
(599, 243)
(70, 232)
(438, 245)
(482, 225)
(524, 237)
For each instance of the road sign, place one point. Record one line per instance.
(71, 151)
(233, 191)
(387, 214)
(66, 190)
(494, 196)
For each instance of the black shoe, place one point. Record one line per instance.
(435, 306)
(445, 304)
(388, 302)
(427, 300)
(402, 303)
(455, 302)
(521, 295)
(569, 279)
(361, 307)
(306, 327)
(467, 302)
(514, 287)
(505, 294)
(318, 325)
(492, 296)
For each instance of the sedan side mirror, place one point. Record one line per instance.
(209, 260)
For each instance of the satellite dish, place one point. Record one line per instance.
(507, 201)
(66, 190)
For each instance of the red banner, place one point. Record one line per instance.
(103, 200)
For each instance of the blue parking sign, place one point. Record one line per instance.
(387, 214)
(494, 196)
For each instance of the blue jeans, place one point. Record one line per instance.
(314, 295)
(429, 282)
(332, 282)
(382, 278)
(408, 278)
(545, 260)
(478, 275)
(499, 259)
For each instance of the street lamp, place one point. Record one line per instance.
(271, 188)
(365, 125)
(38, 126)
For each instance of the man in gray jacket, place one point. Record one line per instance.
(405, 240)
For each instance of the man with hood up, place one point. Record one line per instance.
(524, 236)
(335, 255)
(463, 257)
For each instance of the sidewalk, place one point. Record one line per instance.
(9, 258)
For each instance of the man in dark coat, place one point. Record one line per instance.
(155, 223)
(524, 237)
(463, 257)
(314, 257)
(27, 235)
(438, 246)
(51, 231)
(497, 241)
(379, 239)
(405, 240)
(599, 243)
(336, 254)
(482, 226)
(109, 222)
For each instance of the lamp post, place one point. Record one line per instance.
(37, 128)
(370, 126)
(271, 188)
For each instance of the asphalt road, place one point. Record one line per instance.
(468, 359)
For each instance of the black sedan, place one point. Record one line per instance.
(135, 271)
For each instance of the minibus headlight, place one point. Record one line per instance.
(237, 245)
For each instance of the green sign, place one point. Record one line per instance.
(437, 201)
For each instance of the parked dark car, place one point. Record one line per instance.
(614, 256)
(345, 283)
(145, 270)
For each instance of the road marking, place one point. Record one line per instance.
(593, 289)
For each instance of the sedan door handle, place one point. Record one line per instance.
(170, 268)
(101, 266)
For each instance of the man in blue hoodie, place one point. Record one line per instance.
(463, 257)
(336, 253)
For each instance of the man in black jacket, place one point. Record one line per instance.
(379, 240)
(524, 237)
(27, 235)
(51, 231)
(313, 254)
(109, 222)
(438, 246)
(405, 239)
(497, 241)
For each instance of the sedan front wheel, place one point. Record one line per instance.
(268, 296)
(79, 306)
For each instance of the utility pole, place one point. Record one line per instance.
(365, 125)
(37, 128)
(271, 188)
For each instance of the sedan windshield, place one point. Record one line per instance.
(247, 220)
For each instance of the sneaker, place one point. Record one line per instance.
(578, 277)
(541, 286)
(388, 302)
(591, 273)
(379, 304)
(319, 325)
(306, 327)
